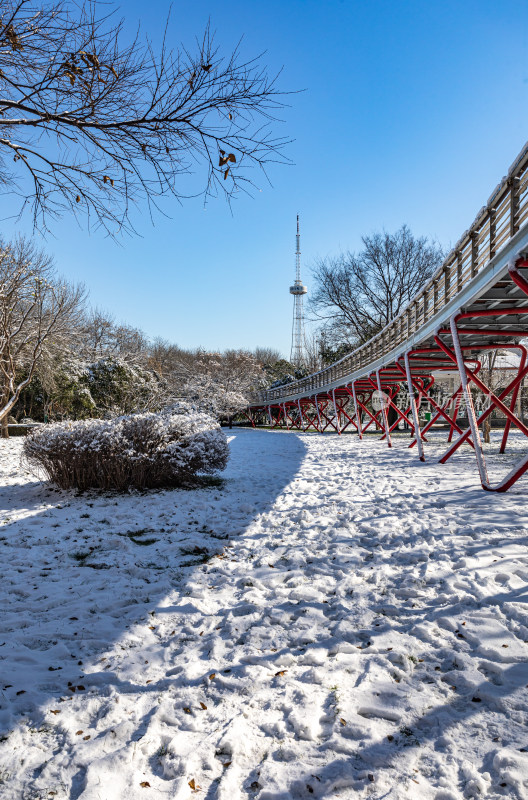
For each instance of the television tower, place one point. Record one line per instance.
(297, 290)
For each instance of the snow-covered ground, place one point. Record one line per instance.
(335, 620)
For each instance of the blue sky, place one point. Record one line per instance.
(412, 113)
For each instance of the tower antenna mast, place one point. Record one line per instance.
(298, 290)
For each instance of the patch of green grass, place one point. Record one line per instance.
(162, 751)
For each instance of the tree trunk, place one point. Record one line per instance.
(392, 415)
(4, 432)
(487, 429)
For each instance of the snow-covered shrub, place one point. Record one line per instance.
(141, 451)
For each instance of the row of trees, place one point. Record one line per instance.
(60, 359)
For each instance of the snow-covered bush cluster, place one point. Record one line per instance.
(141, 451)
(106, 387)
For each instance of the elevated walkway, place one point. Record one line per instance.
(477, 301)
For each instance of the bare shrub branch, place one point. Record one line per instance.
(141, 451)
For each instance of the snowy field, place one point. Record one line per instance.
(333, 621)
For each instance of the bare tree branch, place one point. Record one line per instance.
(95, 124)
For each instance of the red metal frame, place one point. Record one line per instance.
(331, 410)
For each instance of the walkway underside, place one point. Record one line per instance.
(370, 400)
